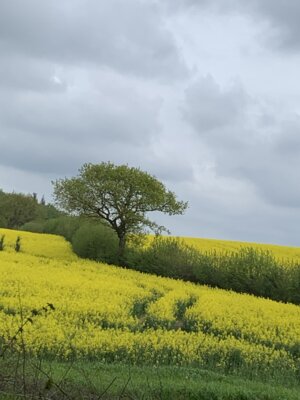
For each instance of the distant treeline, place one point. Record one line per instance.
(16, 209)
(247, 270)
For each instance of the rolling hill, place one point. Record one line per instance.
(110, 314)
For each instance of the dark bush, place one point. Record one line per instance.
(165, 257)
(3, 222)
(294, 283)
(33, 226)
(96, 242)
(248, 270)
(65, 226)
(18, 244)
(2, 242)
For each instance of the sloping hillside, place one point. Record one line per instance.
(42, 245)
(113, 314)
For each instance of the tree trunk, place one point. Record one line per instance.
(121, 249)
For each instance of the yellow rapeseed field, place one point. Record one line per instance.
(112, 314)
(280, 252)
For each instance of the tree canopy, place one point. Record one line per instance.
(118, 194)
(16, 209)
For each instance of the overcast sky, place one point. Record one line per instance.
(204, 94)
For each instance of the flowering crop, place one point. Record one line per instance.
(113, 314)
(43, 245)
(280, 252)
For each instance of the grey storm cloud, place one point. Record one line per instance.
(241, 211)
(210, 107)
(23, 73)
(128, 36)
(135, 82)
(73, 80)
(282, 16)
(70, 125)
(248, 142)
(274, 164)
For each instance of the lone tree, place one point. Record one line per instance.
(120, 195)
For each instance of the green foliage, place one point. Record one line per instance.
(89, 239)
(16, 209)
(2, 242)
(120, 195)
(65, 226)
(165, 257)
(169, 383)
(18, 244)
(3, 223)
(20, 211)
(47, 379)
(33, 226)
(248, 270)
(294, 286)
(97, 242)
(47, 211)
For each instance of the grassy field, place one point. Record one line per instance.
(95, 380)
(108, 317)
